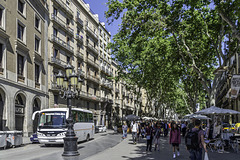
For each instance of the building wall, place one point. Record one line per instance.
(11, 84)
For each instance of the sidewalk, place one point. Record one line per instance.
(128, 151)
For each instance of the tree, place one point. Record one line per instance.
(160, 44)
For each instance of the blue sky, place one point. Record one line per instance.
(99, 7)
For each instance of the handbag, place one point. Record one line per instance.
(206, 156)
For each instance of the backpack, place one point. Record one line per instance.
(191, 140)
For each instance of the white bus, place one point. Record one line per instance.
(52, 124)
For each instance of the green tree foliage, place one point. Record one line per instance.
(166, 45)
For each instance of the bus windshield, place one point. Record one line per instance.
(55, 119)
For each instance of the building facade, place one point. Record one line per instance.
(23, 63)
(38, 38)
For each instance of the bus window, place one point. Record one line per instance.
(85, 117)
(90, 117)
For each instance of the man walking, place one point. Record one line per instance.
(165, 128)
(196, 143)
(134, 128)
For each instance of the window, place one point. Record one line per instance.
(1, 55)
(68, 40)
(95, 91)
(88, 105)
(37, 73)
(78, 14)
(68, 3)
(20, 64)
(20, 32)
(37, 44)
(88, 70)
(95, 106)
(37, 22)
(55, 11)
(55, 54)
(21, 6)
(87, 88)
(55, 32)
(68, 60)
(1, 17)
(55, 99)
(68, 22)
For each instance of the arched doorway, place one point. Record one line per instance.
(19, 112)
(36, 107)
(1, 112)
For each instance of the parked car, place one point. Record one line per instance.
(228, 128)
(100, 128)
(237, 128)
(34, 138)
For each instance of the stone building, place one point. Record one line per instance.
(23, 63)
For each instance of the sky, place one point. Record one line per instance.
(99, 7)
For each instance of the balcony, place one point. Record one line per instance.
(103, 68)
(116, 90)
(79, 38)
(79, 54)
(62, 24)
(64, 6)
(135, 98)
(79, 21)
(117, 101)
(130, 96)
(57, 62)
(89, 96)
(93, 78)
(91, 32)
(81, 72)
(62, 44)
(53, 86)
(91, 47)
(92, 63)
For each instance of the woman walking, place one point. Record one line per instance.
(124, 129)
(157, 137)
(149, 137)
(175, 138)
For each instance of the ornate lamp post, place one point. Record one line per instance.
(69, 87)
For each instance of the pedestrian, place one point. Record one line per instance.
(197, 142)
(143, 131)
(190, 126)
(139, 132)
(157, 137)
(124, 129)
(149, 137)
(134, 130)
(165, 128)
(175, 138)
(184, 128)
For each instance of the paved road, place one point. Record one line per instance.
(40, 152)
(106, 146)
(126, 150)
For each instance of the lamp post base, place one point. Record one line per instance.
(70, 146)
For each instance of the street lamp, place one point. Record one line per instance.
(69, 87)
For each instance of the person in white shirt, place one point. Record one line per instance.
(134, 128)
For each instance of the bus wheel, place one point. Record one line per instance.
(88, 138)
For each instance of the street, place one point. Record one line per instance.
(100, 142)
(106, 146)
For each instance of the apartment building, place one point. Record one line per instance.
(23, 63)
(74, 39)
(106, 71)
(224, 97)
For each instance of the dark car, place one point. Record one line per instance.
(34, 138)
